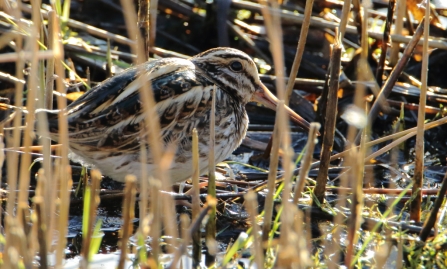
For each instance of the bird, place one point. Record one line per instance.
(105, 123)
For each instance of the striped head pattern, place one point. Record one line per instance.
(232, 70)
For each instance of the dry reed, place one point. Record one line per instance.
(415, 208)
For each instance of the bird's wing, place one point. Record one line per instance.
(110, 115)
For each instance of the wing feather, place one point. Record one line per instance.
(109, 116)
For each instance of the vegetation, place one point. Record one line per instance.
(374, 198)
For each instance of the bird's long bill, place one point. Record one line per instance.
(265, 97)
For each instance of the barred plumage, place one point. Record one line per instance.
(104, 123)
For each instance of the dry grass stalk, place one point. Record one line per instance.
(304, 244)
(210, 233)
(167, 205)
(196, 237)
(12, 156)
(344, 19)
(389, 146)
(386, 41)
(193, 228)
(300, 49)
(26, 55)
(49, 77)
(2, 161)
(358, 153)
(94, 202)
(7, 77)
(31, 97)
(163, 178)
(128, 215)
(144, 183)
(316, 22)
(155, 212)
(46, 101)
(307, 159)
(433, 42)
(63, 210)
(358, 17)
(153, 139)
(84, 27)
(49, 191)
(392, 78)
(415, 208)
(286, 256)
(404, 134)
(143, 25)
(64, 169)
(286, 219)
(12, 140)
(273, 23)
(251, 204)
(17, 252)
(271, 182)
(152, 23)
(398, 27)
(39, 204)
(296, 253)
(270, 11)
(16, 223)
(329, 129)
(274, 31)
(5, 39)
(186, 238)
(41, 187)
(388, 192)
(355, 177)
(145, 92)
(109, 65)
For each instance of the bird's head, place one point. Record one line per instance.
(236, 73)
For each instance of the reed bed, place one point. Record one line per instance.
(298, 215)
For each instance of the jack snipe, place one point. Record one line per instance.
(104, 123)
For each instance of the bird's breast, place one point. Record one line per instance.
(231, 123)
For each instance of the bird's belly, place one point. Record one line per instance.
(118, 167)
(119, 164)
(181, 169)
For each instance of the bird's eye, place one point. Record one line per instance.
(236, 66)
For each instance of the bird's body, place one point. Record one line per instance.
(105, 124)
